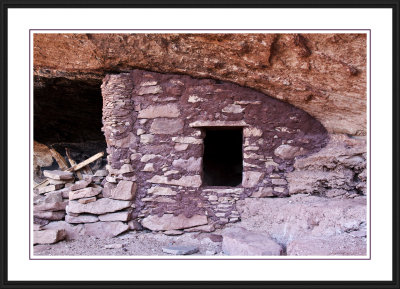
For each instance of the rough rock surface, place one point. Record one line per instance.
(302, 216)
(324, 74)
(241, 242)
(72, 231)
(340, 245)
(48, 236)
(337, 169)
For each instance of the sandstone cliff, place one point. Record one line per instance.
(323, 74)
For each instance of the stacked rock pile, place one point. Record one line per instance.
(50, 202)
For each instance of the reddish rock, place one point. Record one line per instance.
(305, 70)
(125, 190)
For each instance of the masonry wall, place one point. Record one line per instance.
(154, 126)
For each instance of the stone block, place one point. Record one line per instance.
(56, 206)
(84, 193)
(50, 215)
(58, 175)
(101, 206)
(233, 108)
(117, 216)
(161, 191)
(170, 222)
(146, 138)
(105, 229)
(144, 90)
(166, 126)
(286, 151)
(80, 184)
(263, 193)
(81, 219)
(251, 178)
(187, 140)
(184, 181)
(125, 190)
(181, 147)
(50, 188)
(87, 200)
(154, 111)
(72, 231)
(191, 165)
(48, 236)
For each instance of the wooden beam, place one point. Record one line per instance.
(76, 167)
(88, 161)
(62, 163)
(73, 163)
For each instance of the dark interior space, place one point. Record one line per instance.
(222, 160)
(68, 114)
(67, 111)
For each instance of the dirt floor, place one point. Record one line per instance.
(303, 225)
(133, 244)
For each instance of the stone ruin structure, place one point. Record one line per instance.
(184, 150)
(200, 131)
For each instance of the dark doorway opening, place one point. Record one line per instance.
(223, 159)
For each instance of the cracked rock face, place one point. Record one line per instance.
(323, 74)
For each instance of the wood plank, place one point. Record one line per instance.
(76, 167)
(88, 161)
(62, 163)
(73, 163)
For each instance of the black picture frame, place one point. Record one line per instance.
(5, 158)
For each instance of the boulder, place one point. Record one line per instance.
(48, 236)
(72, 231)
(241, 242)
(170, 222)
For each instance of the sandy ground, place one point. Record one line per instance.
(134, 244)
(306, 225)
